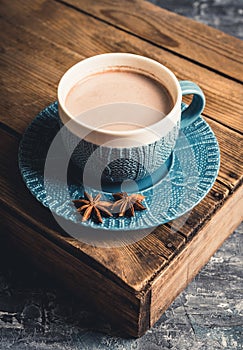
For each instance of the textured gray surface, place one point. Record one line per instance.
(36, 314)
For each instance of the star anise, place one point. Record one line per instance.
(126, 205)
(92, 207)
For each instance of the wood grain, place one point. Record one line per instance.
(35, 57)
(136, 282)
(190, 223)
(195, 255)
(231, 153)
(124, 310)
(204, 44)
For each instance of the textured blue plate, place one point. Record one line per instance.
(191, 175)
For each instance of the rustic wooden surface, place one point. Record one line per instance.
(36, 314)
(25, 50)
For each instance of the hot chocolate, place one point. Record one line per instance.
(114, 87)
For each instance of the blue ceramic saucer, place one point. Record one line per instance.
(191, 173)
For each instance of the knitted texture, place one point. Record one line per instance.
(119, 164)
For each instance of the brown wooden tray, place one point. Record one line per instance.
(134, 284)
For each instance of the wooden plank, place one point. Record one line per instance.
(190, 223)
(187, 264)
(122, 308)
(29, 80)
(136, 263)
(205, 45)
(231, 148)
(57, 52)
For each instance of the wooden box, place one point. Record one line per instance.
(130, 285)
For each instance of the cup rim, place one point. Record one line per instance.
(115, 133)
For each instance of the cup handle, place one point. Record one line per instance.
(191, 113)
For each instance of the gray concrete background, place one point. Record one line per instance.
(35, 313)
(225, 15)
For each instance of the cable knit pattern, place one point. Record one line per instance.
(119, 164)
